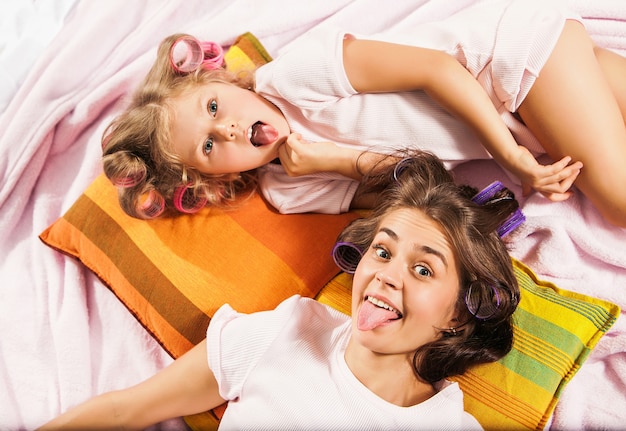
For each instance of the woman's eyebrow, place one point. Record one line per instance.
(434, 252)
(389, 232)
(423, 248)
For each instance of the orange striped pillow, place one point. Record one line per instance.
(174, 273)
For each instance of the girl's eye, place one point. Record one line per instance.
(212, 107)
(422, 270)
(208, 146)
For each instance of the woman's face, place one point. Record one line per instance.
(220, 128)
(405, 286)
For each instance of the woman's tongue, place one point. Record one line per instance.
(371, 316)
(263, 134)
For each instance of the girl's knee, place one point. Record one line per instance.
(614, 211)
(618, 219)
(601, 183)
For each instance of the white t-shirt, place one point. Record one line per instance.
(504, 44)
(285, 369)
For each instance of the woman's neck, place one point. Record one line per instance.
(390, 377)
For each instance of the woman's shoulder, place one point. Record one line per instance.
(295, 307)
(305, 308)
(450, 397)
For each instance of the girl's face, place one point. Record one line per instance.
(405, 286)
(220, 128)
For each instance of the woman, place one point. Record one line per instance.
(433, 295)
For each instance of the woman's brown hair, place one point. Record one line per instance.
(422, 182)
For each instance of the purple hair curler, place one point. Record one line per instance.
(185, 202)
(347, 256)
(482, 303)
(188, 53)
(513, 221)
(488, 192)
(400, 167)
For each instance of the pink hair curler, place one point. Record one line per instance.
(151, 204)
(185, 202)
(188, 53)
(129, 180)
(105, 141)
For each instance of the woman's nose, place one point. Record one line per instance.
(390, 276)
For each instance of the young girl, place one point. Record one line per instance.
(433, 294)
(504, 79)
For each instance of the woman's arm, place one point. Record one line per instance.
(374, 66)
(187, 386)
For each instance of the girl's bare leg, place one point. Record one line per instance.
(614, 68)
(572, 110)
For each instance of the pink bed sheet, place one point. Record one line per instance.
(64, 337)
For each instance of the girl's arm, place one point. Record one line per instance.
(374, 66)
(299, 157)
(187, 386)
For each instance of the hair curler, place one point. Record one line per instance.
(151, 204)
(188, 53)
(347, 256)
(482, 301)
(185, 202)
(513, 221)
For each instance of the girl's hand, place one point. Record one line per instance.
(553, 181)
(300, 157)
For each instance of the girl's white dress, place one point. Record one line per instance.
(504, 44)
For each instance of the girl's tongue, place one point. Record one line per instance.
(263, 134)
(371, 316)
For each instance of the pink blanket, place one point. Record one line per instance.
(65, 337)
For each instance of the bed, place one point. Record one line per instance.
(66, 66)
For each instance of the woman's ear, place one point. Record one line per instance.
(454, 323)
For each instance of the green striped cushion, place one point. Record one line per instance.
(555, 330)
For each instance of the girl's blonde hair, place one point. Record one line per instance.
(137, 152)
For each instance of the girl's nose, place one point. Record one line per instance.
(227, 129)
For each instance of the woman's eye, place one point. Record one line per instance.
(212, 107)
(381, 252)
(423, 271)
(208, 146)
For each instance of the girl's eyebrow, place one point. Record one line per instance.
(423, 248)
(201, 103)
(200, 106)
